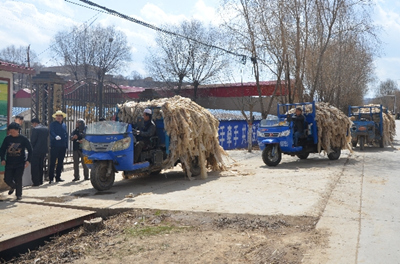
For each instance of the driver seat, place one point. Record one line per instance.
(153, 143)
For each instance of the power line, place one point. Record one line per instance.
(142, 23)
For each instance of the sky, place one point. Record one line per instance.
(35, 22)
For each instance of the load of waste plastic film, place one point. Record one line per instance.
(389, 124)
(192, 129)
(333, 127)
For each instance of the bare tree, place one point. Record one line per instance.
(20, 56)
(192, 58)
(386, 92)
(322, 49)
(244, 29)
(206, 62)
(169, 60)
(92, 51)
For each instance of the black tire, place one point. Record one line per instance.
(335, 154)
(98, 176)
(354, 143)
(362, 143)
(155, 173)
(195, 169)
(381, 145)
(268, 158)
(303, 156)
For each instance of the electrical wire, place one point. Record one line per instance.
(51, 46)
(91, 4)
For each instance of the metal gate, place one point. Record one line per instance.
(86, 99)
(90, 100)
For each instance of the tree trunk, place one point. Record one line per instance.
(195, 87)
(250, 136)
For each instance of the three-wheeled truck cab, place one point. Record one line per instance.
(367, 125)
(276, 136)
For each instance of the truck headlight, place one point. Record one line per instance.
(122, 144)
(86, 145)
(260, 134)
(285, 133)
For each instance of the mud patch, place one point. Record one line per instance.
(54, 199)
(154, 236)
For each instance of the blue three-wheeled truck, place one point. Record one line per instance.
(367, 125)
(108, 147)
(276, 136)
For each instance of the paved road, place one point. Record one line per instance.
(357, 198)
(362, 214)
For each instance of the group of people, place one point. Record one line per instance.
(14, 147)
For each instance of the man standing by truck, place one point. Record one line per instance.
(39, 138)
(58, 145)
(76, 136)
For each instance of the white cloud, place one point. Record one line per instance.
(205, 13)
(55, 5)
(24, 24)
(154, 15)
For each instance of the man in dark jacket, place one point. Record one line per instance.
(298, 121)
(58, 145)
(76, 136)
(12, 154)
(144, 133)
(39, 138)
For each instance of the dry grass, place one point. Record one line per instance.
(192, 129)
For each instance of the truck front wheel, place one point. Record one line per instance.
(100, 178)
(272, 155)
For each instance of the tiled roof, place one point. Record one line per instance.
(10, 67)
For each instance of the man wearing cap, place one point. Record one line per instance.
(58, 145)
(144, 134)
(76, 136)
(39, 138)
(12, 154)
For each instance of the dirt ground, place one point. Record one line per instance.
(154, 236)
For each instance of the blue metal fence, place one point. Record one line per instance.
(233, 134)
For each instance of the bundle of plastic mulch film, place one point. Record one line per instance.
(389, 124)
(192, 129)
(333, 127)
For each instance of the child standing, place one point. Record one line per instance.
(12, 154)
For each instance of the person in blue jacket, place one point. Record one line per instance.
(58, 145)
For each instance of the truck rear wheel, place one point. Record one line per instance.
(362, 143)
(303, 156)
(335, 154)
(99, 178)
(381, 145)
(272, 155)
(354, 143)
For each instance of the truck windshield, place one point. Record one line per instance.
(273, 121)
(106, 128)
